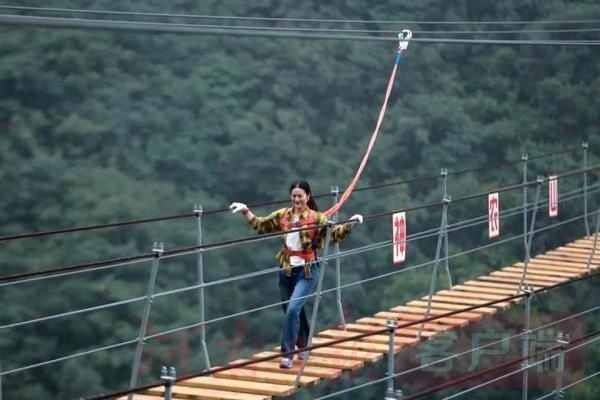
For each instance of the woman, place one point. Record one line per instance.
(297, 258)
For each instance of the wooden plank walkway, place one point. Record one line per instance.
(265, 380)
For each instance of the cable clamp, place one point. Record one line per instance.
(404, 37)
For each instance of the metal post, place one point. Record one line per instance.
(315, 311)
(592, 254)
(529, 237)
(584, 145)
(0, 379)
(444, 174)
(562, 340)
(524, 158)
(436, 263)
(157, 249)
(168, 378)
(200, 266)
(335, 191)
(389, 393)
(527, 332)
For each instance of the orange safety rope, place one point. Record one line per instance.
(404, 38)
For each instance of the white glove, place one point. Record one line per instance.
(357, 217)
(235, 207)
(404, 37)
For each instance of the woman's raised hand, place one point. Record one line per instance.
(235, 207)
(357, 218)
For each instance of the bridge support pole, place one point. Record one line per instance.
(436, 263)
(593, 253)
(524, 158)
(389, 393)
(157, 249)
(562, 340)
(526, 336)
(168, 377)
(313, 320)
(584, 146)
(444, 174)
(200, 267)
(335, 190)
(529, 237)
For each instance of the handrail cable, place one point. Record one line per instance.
(280, 19)
(254, 238)
(180, 28)
(261, 204)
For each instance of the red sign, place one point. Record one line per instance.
(552, 196)
(493, 215)
(399, 237)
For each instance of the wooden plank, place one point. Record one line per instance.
(420, 311)
(550, 262)
(495, 285)
(405, 317)
(319, 372)
(253, 375)
(451, 307)
(540, 272)
(339, 334)
(573, 250)
(480, 289)
(546, 264)
(347, 354)
(464, 301)
(359, 345)
(479, 295)
(518, 275)
(186, 392)
(326, 362)
(267, 389)
(516, 281)
(383, 322)
(364, 328)
(142, 397)
(569, 261)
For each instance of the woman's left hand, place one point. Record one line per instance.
(357, 218)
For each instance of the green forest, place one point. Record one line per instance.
(102, 126)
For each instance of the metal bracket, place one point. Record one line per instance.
(404, 37)
(158, 248)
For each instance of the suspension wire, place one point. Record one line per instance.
(90, 266)
(162, 27)
(383, 31)
(280, 19)
(63, 274)
(259, 204)
(251, 239)
(93, 227)
(80, 354)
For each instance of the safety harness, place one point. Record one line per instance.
(286, 224)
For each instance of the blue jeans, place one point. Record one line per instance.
(295, 324)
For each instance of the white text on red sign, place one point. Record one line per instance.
(399, 237)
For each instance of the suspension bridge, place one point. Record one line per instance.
(353, 346)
